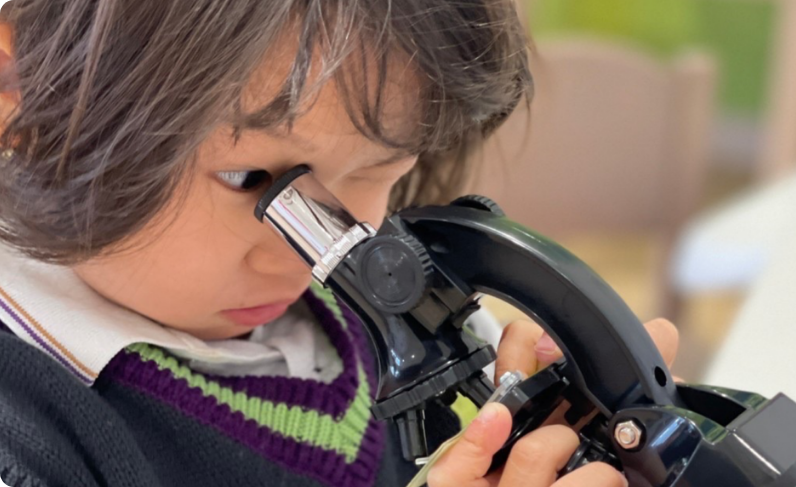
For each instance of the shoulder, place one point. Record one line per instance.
(54, 430)
(32, 449)
(35, 429)
(29, 376)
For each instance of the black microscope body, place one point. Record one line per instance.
(415, 282)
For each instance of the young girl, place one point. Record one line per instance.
(154, 333)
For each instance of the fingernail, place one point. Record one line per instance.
(546, 345)
(488, 413)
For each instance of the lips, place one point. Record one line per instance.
(258, 315)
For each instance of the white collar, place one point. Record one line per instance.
(51, 308)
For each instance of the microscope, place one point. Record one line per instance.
(416, 280)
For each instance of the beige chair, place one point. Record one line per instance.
(778, 151)
(616, 144)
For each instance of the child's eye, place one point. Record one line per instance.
(244, 180)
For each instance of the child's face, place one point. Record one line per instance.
(208, 256)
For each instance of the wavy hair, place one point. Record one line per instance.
(116, 95)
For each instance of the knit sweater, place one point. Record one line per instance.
(150, 420)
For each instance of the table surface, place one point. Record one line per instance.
(759, 353)
(730, 246)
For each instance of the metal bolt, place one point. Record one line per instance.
(628, 434)
(505, 376)
(287, 196)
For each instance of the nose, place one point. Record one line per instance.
(272, 255)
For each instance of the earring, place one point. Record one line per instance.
(7, 154)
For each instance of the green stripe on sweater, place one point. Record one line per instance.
(343, 436)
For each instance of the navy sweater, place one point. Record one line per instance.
(149, 420)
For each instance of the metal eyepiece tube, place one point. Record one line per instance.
(315, 223)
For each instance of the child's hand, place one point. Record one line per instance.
(534, 460)
(521, 338)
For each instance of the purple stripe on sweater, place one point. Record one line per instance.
(333, 398)
(44, 344)
(326, 466)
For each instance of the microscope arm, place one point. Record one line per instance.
(609, 355)
(415, 281)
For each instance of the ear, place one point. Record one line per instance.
(9, 91)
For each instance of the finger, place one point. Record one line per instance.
(493, 479)
(468, 460)
(594, 475)
(547, 351)
(663, 333)
(537, 457)
(666, 338)
(514, 351)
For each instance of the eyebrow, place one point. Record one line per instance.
(399, 155)
(307, 144)
(302, 141)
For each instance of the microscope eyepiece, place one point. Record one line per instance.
(315, 223)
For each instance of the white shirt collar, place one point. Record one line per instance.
(51, 308)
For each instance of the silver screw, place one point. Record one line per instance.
(287, 196)
(628, 434)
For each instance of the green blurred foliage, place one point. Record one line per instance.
(737, 32)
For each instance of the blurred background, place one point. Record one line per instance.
(660, 148)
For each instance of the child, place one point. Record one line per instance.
(137, 138)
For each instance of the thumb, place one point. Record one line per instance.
(468, 460)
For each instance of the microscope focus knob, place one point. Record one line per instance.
(394, 272)
(478, 202)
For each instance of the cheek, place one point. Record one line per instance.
(167, 280)
(178, 271)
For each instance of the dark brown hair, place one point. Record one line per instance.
(115, 95)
